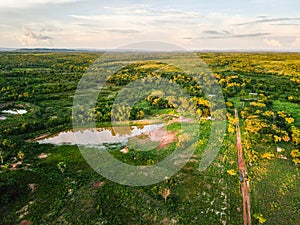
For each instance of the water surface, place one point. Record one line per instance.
(100, 136)
(15, 111)
(3, 117)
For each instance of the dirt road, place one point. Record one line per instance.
(245, 188)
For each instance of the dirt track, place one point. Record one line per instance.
(245, 188)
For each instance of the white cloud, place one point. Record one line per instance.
(146, 10)
(29, 38)
(29, 3)
(296, 43)
(273, 43)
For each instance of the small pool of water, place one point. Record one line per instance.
(3, 117)
(100, 136)
(15, 111)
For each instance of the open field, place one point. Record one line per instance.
(53, 184)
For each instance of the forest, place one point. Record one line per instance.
(44, 183)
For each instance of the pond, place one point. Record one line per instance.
(3, 117)
(100, 136)
(15, 111)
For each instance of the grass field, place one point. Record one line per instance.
(54, 184)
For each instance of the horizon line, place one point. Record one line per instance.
(12, 49)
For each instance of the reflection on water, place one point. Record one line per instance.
(3, 117)
(15, 111)
(100, 136)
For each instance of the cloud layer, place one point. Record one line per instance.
(190, 24)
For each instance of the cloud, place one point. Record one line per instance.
(215, 32)
(89, 25)
(143, 11)
(296, 43)
(226, 35)
(146, 10)
(174, 21)
(87, 17)
(50, 28)
(269, 20)
(122, 31)
(261, 17)
(273, 43)
(30, 3)
(123, 24)
(286, 24)
(251, 35)
(30, 38)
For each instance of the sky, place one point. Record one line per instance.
(190, 24)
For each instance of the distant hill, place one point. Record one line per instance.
(54, 50)
(6, 49)
(140, 50)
